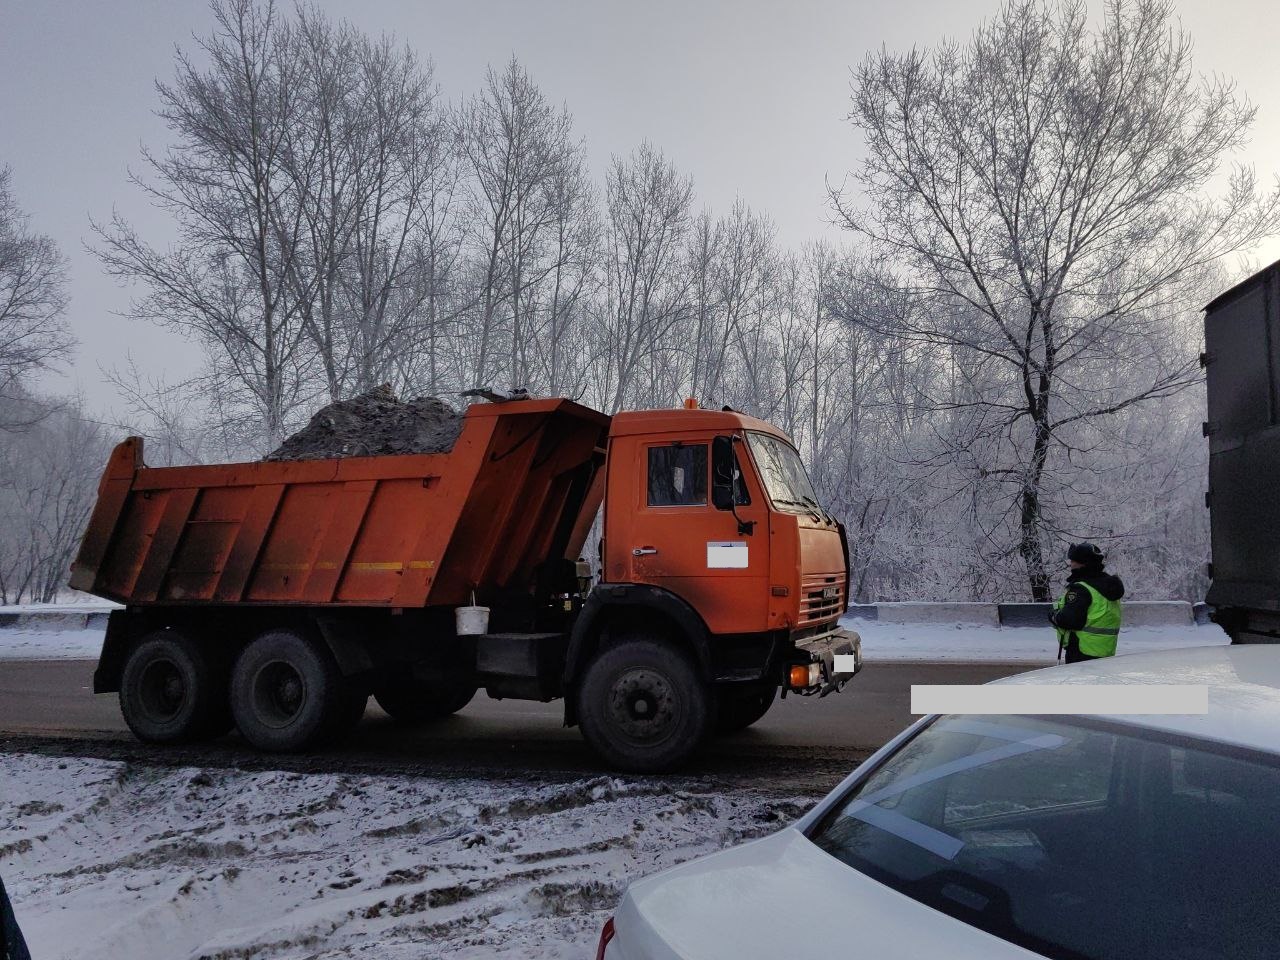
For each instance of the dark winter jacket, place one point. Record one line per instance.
(1075, 609)
(12, 946)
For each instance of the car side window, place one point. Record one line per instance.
(678, 475)
(1078, 772)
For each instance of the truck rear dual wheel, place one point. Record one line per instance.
(423, 695)
(172, 690)
(643, 706)
(288, 694)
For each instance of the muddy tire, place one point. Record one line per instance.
(422, 696)
(738, 709)
(642, 705)
(172, 690)
(287, 693)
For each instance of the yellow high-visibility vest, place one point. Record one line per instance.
(1102, 624)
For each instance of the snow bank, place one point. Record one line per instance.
(975, 644)
(106, 859)
(70, 630)
(54, 631)
(69, 601)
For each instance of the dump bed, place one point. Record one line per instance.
(1242, 367)
(518, 489)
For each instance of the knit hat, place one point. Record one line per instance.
(1086, 553)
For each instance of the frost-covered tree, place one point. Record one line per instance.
(33, 298)
(523, 163)
(647, 204)
(229, 280)
(1043, 192)
(48, 481)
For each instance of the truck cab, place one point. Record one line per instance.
(715, 507)
(714, 544)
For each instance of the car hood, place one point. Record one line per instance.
(784, 897)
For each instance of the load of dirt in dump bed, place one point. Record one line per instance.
(374, 424)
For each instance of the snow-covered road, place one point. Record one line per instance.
(107, 859)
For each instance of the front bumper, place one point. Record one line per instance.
(823, 650)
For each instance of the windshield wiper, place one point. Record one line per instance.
(809, 505)
(819, 508)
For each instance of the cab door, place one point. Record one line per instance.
(678, 540)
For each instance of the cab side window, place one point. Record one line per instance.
(678, 475)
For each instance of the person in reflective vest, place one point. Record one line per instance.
(1087, 617)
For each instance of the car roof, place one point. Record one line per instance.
(1243, 681)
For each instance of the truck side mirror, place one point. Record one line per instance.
(722, 473)
(724, 481)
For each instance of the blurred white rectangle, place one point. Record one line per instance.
(1061, 698)
(727, 554)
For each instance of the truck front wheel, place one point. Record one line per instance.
(642, 705)
(287, 693)
(171, 691)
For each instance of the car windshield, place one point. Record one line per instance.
(782, 472)
(1074, 838)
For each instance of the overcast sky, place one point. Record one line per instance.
(748, 96)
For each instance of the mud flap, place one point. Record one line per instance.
(115, 646)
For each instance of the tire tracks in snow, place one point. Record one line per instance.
(222, 863)
(810, 770)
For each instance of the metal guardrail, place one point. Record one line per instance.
(1137, 613)
(51, 620)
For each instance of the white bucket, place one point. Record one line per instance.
(472, 621)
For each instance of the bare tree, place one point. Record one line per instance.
(48, 480)
(647, 215)
(33, 297)
(555, 343)
(746, 285)
(230, 279)
(519, 148)
(406, 174)
(1040, 192)
(702, 256)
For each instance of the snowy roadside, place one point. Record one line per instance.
(84, 644)
(972, 643)
(69, 601)
(53, 631)
(107, 859)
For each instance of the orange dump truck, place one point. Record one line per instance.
(277, 596)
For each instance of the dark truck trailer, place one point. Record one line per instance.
(277, 596)
(1242, 368)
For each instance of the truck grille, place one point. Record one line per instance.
(815, 603)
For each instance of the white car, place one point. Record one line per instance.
(1014, 836)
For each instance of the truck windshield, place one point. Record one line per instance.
(1074, 838)
(782, 472)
